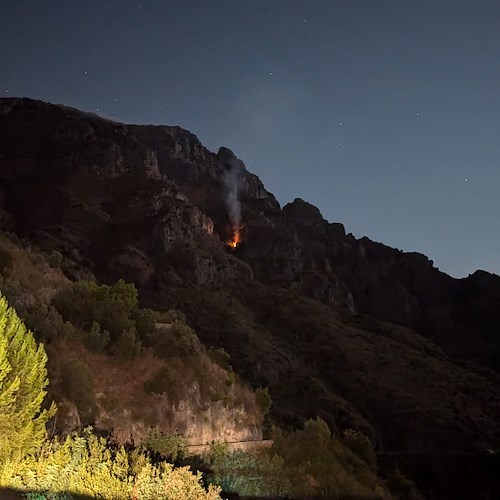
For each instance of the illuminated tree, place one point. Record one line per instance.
(23, 379)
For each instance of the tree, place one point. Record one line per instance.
(23, 379)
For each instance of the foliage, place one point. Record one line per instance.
(248, 474)
(111, 315)
(263, 399)
(361, 446)
(168, 380)
(88, 465)
(48, 324)
(55, 259)
(170, 316)
(127, 346)
(221, 357)
(77, 381)
(319, 464)
(110, 305)
(97, 339)
(145, 321)
(169, 446)
(23, 380)
(308, 462)
(177, 339)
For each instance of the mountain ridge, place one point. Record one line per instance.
(353, 331)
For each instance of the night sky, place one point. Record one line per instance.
(384, 114)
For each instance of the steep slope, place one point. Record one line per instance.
(299, 305)
(161, 390)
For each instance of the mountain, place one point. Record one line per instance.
(353, 331)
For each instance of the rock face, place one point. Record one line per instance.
(326, 320)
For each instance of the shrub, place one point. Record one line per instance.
(110, 305)
(169, 446)
(170, 316)
(97, 339)
(220, 357)
(318, 464)
(258, 474)
(178, 339)
(361, 446)
(77, 381)
(127, 345)
(263, 400)
(55, 259)
(48, 324)
(145, 322)
(87, 465)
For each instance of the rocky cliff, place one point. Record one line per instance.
(348, 329)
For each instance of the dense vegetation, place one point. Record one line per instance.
(310, 462)
(81, 464)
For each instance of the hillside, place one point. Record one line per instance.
(360, 334)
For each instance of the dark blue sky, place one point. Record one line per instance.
(384, 114)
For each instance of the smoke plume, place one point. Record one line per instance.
(232, 185)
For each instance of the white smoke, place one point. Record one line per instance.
(232, 181)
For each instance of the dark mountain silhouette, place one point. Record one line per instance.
(356, 332)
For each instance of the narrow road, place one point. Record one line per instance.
(201, 449)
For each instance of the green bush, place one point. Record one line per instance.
(55, 259)
(145, 322)
(170, 446)
(178, 339)
(77, 382)
(88, 465)
(97, 340)
(127, 346)
(263, 400)
(258, 474)
(318, 464)
(170, 316)
(110, 305)
(220, 357)
(48, 324)
(304, 463)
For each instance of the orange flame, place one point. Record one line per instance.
(236, 239)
